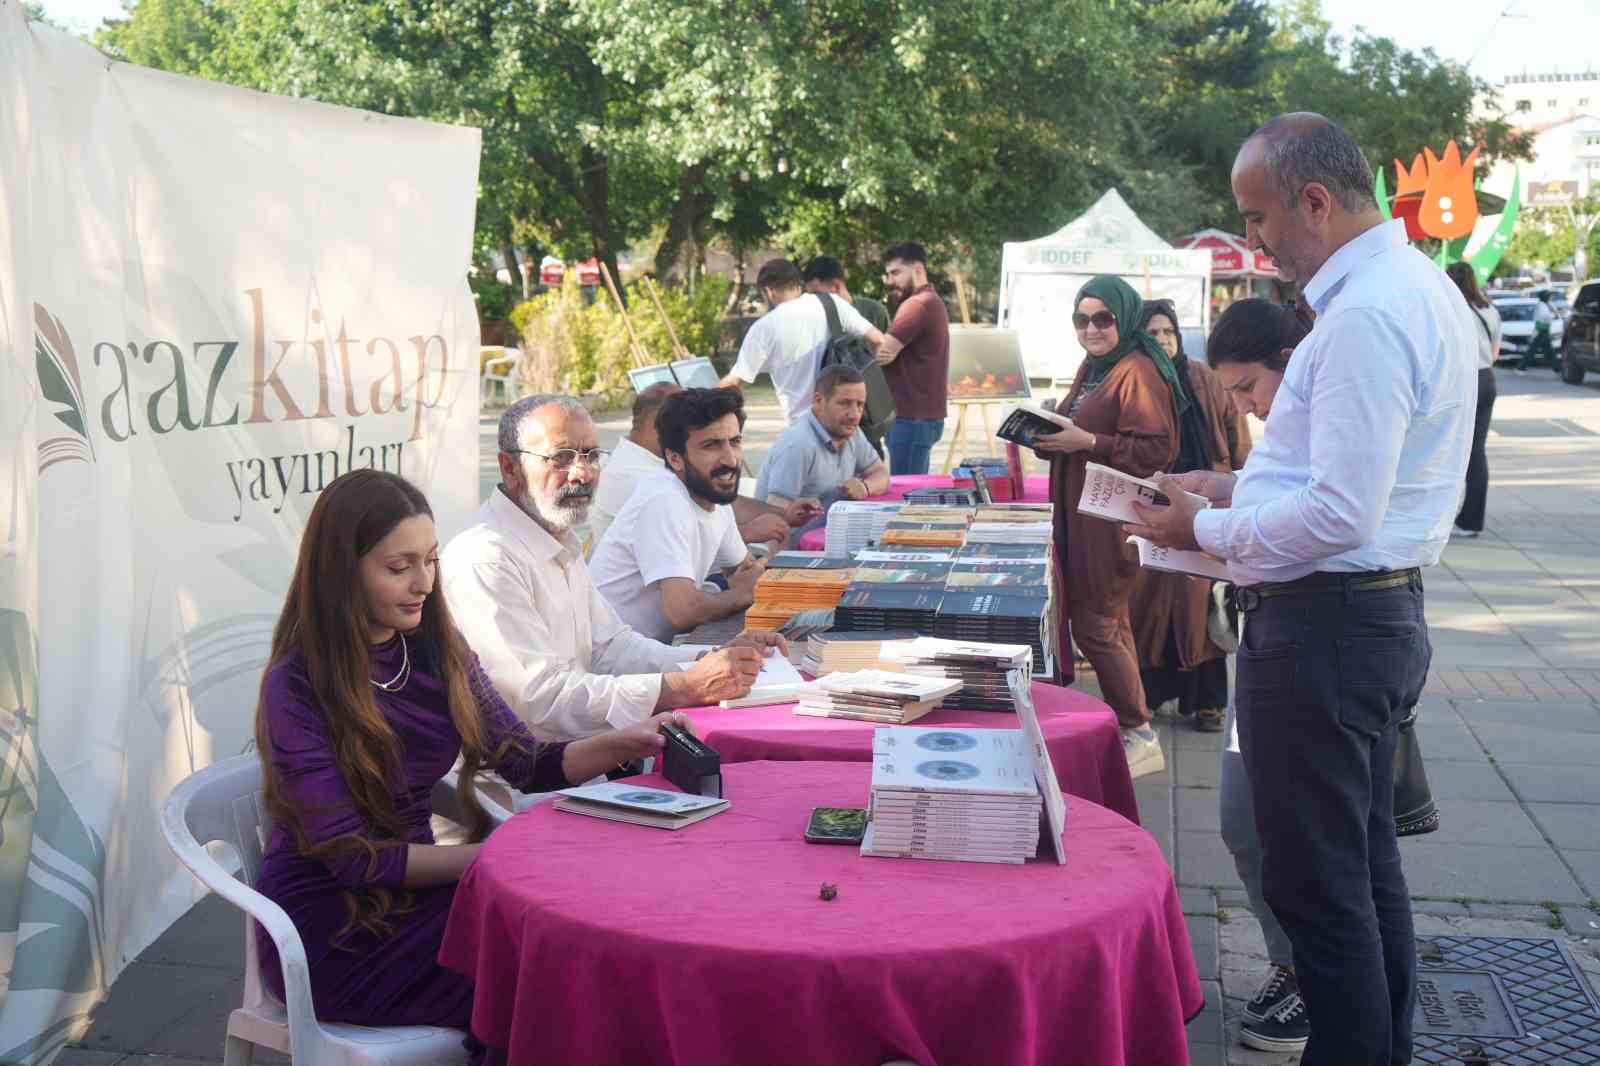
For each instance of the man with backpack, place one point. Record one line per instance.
(790, 341)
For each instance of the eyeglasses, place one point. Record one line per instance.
(1099, 320)
(563, 459)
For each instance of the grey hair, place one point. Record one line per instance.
(510, 435)
(1304, 147)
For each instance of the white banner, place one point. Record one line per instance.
(212, 303)
(1039, 285)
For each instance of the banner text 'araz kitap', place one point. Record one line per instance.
(355, 378)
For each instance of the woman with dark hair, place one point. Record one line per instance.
(1469, 521)
(1249, 350)
(369, 697)
(1125, 406)
(1178, 660)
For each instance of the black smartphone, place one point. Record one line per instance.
(836, 825)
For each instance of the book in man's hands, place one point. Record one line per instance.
(1176, 561)
(1111, 494)
(1025, 423)
(621, 801)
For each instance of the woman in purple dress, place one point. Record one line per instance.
(370, 697)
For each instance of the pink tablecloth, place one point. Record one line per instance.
(1081, 732)
(1035, 489)
(597, 942)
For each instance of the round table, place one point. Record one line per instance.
(1081, 732)
(597, 942)
(1035, 489)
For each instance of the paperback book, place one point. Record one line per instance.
(620, 801)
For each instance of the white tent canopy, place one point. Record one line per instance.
(1040, 278)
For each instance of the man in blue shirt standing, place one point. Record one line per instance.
(1349, 493)
(824, 457)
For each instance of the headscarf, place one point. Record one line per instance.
(1125, 305)
(1194, 436)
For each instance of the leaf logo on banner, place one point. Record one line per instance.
(60, 383)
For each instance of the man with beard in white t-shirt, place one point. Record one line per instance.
(678, 526)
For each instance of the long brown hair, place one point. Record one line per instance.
(1466, 280)
(324, 619)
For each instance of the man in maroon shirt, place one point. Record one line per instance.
(915, 357)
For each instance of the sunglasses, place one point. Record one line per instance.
(1099, 320)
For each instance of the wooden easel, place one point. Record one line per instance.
(640, 359)
(678, 350)
(963, 408)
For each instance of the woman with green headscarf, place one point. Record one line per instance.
(1125, 407)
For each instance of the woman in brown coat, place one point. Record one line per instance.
(1177, 657)
(1124, 412)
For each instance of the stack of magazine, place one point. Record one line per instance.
(1004, 615)
(888, 606)
(926, 526)
(621, 801)
(874, 696)
(984, 670)
(853, 524)
(833, 651)
(961, 794)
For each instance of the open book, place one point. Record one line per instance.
(1111, 494)
(1025, 423)
(639, 804)
(1173, 560)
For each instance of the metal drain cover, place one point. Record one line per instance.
(1508, 1001)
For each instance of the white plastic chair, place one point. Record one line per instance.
(223, 803)
(501, 371)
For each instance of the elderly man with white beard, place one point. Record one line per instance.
(521, 594)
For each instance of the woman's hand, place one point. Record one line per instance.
(1069, 440)
(592, 756)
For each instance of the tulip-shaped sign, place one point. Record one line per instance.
(1436, 197)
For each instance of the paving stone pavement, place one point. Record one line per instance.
(1510, 729)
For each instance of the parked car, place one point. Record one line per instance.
(1581, 352)
(1516, 325)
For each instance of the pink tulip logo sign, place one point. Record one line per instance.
(62, 386)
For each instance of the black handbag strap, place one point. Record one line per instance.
(835, 327)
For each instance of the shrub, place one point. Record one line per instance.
(575, 346)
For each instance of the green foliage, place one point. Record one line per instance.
(578, 347)
(1548, 237)
(837, 125)
(494, 297)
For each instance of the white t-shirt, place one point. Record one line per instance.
(788, 341)
(1488, 334)
(661, 533)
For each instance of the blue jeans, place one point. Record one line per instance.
(1325, 676)
(911, 442)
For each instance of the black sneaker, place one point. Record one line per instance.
(1286, 1029)
(1279, 986)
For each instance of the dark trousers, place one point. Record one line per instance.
(1476, 500)
(1539, 347)
(1324, 678)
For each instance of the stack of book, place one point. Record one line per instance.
(785, 592)
(853, 524)
(1011, 531)
(984, 670)
(959, 794)
(836, 651)
(929, 527)
(1004, 615)
(874, 696)
(867, 606)
(804, 560)
(942, 497)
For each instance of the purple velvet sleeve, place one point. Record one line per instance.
(528, 763)
(302, 754)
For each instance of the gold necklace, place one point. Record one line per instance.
(398, 681)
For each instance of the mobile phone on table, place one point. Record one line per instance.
(836, 825)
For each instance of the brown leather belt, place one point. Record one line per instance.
(1249, 597)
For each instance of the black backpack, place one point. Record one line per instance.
(853, 352)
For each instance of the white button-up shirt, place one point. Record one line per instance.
(1362, 463)
(554, 648)
(622, 472)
